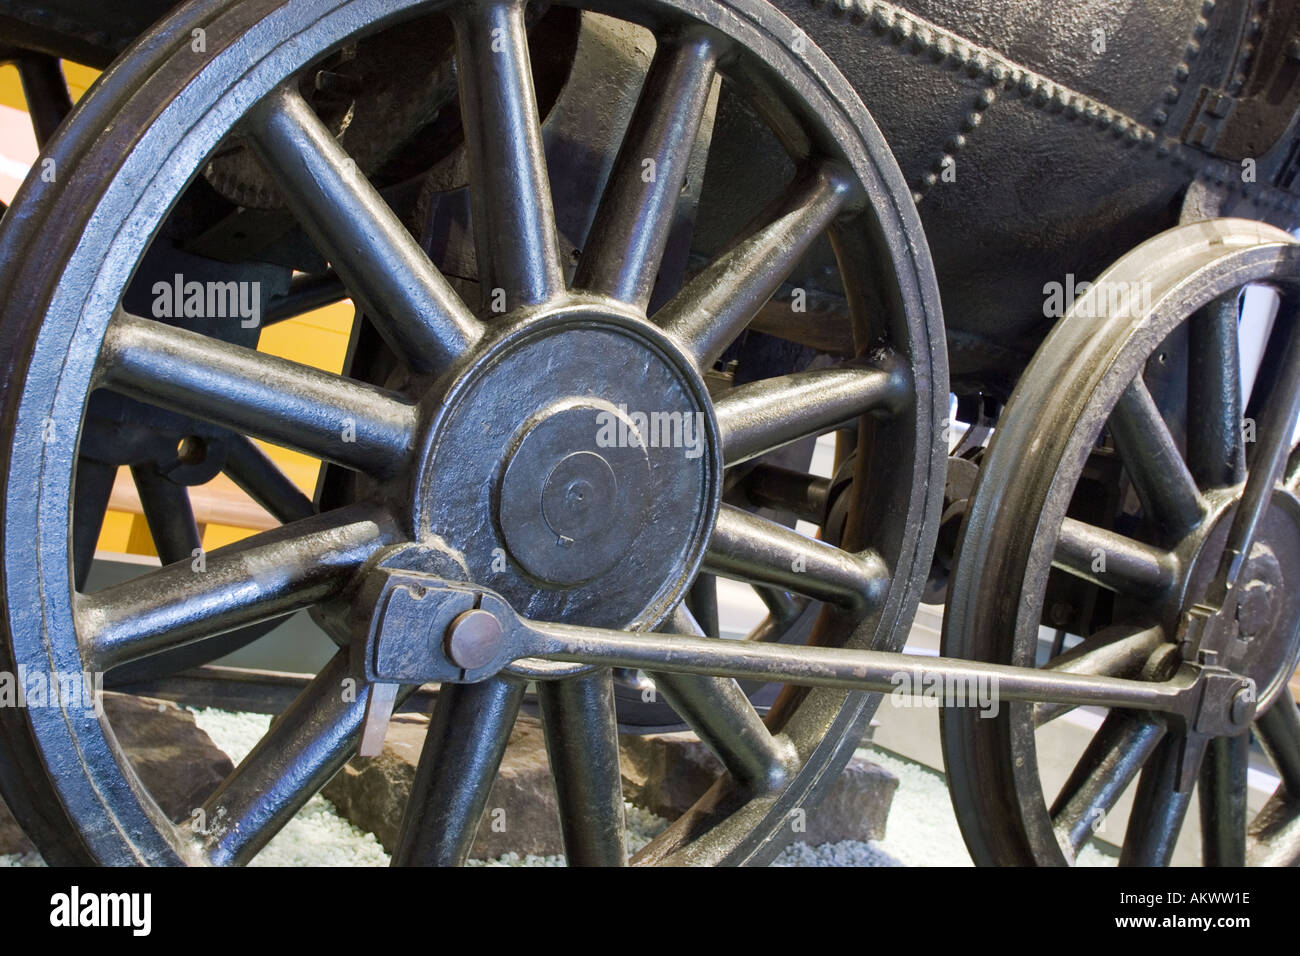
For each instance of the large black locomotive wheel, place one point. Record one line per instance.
(1212, 522)
(482, 442)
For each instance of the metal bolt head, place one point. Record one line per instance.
(474, 639)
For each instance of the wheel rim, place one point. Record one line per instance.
(112, 217)
(1077, 386)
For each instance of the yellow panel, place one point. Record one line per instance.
(11, 89)
(306, 344)
(79, 78)
(301, 469)
(218, 535)
(140, 540)
(333, 318)
(115, 535)
(319, 342)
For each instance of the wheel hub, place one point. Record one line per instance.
(1266, 643)
(553, 513)
(568, 508)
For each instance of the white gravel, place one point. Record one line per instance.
(19, 859)
(921, 831)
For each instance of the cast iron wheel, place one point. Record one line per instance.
(163, 462)
(457, 453)
(1094, 377)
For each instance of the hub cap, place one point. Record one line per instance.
(1267, 645)
(613, 417)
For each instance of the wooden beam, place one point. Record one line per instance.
(220, 501)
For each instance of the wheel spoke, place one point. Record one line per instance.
(756, 418)
(1164, 484)
(1291, 478)
(46, 93)
(1160, 804)
(1274, 837)
(320, 414)
(167, 511)
(1120, 651)
(93, 488)
(702, 602)
(410, 302)
(261, 577)
(1278, 729)
(630, 231)
(1276, 409)
(749, 548)
(1215, 452)
(1223, 801)
(249, 468)
(582, 745)
(718, 303)
(803, 495)
(305, 747)
(717, 709)
(782, 605)
(1109, 764)
(1113, 561)
(783, 609)
(468, 733)
(511, 210)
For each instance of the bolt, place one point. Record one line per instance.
(1293, 48)
(474, 639)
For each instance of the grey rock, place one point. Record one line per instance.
(12, 837)
(662, 773)
(856, 807)
(667, 773)
(176, 761)
(520, 817)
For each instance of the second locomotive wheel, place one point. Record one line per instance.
(1210, 526)
(486, 441)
